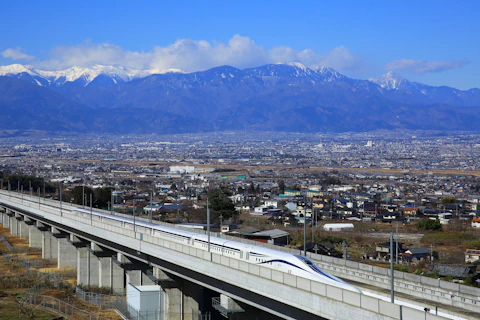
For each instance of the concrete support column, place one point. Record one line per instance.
(173, 304)
(146, 280)
(104, 271)
(111, 275)
(117, 277)
(135, 271)
(67, 254)
(181, 298)
(93, 270)
(13, 226)
(34, 237)
(6, 221)
(49, 246)
(191, 295)
(83, 265)
(134, 277)
(23, 231)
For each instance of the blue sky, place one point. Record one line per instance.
(433, 42)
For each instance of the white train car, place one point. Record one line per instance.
(293, 264)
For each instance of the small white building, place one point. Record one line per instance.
(243, 208)
(300, 212)
(149, 209)
(182, 169)
(445, 217)
(259, 211)
(144, 300)
(236, 198)
(472, 255)
(271, 203)
(338, 226)
(476, 223)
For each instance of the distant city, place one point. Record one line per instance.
(419, 150)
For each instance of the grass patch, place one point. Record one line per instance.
(473, 244)
(443, 238)
(15, 308)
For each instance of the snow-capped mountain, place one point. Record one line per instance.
(272, 97)
(17, 69)
(26, 73)
(329, 74)
(82, 76)
(391, 81)
(409, 91)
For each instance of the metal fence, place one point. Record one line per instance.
(134, 314)
(103, 301)
(58, 305)
(118, 302)
(6, 243)
(24, 262)
(32, 278)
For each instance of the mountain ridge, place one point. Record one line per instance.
(389, 80)
(278, 97)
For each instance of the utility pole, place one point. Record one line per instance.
(305, 227)
(91, 209)
(313, 236)
(83, 193)
(60, 194)
(396, 249)
(208, 225)
(391, 270)
(134, 227)
(151, 208)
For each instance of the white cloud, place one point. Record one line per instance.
(422, 66)
(16, 54)
(85, 54)
(194, 55)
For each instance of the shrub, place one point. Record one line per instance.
(401, 268)
(332, 239)
(429, 225)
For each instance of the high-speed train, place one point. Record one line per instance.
(293, 264)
